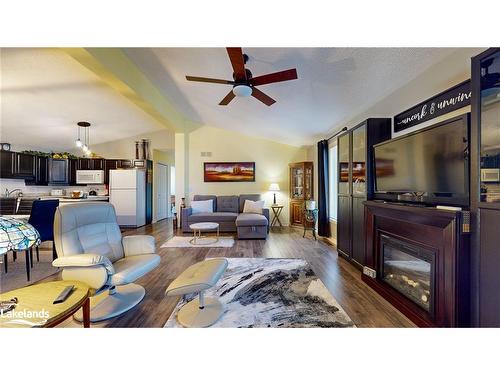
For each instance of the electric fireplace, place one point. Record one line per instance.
(408, 269)
(417, 258)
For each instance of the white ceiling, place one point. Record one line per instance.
(334, 85)
(44, 93)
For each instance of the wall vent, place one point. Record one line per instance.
(206, 154)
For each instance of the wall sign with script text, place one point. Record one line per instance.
(450, 100)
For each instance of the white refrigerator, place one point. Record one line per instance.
(127, 192)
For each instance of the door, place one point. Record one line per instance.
(296, 212)
(6, 164)
(161, 192)
(344, 225)
(123, 179)
(358, 230)
(58, 171)
(125, 203)
(42, 170)
(24, 165)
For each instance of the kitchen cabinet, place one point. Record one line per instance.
(87, 164)
(24, 166)
(42, 170)
(356, 183)
(58, 171)
(7, 164)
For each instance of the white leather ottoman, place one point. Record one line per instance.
(200, 312)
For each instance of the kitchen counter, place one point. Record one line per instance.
(67, 199)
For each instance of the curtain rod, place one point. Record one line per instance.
(340, 131)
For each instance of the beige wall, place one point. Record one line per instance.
(125, 148)
(271, 163)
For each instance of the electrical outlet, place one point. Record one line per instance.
(370, 272)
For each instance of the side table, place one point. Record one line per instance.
(276, 214)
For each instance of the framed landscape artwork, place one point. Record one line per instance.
(229, 172)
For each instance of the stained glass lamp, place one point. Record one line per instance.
(17, 235)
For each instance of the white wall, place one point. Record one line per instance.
(271, 164)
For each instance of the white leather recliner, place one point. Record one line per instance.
(91, 249)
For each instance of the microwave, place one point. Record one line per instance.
(89, 177)
(490, 174)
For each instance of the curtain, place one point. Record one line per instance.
(323, 189)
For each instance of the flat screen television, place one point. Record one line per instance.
(430, 166)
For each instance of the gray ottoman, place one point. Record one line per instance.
(251, 226)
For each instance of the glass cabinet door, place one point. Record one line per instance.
(490, 128)
(297, 182)
(359, 161)
(343, 167)
(308, 182)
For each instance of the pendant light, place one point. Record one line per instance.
(83, 144)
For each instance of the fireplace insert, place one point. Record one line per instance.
(409, 269)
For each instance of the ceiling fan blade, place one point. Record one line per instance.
(209, 80)
(238, 62)
(259, 95)
(227, 98)
(284, 75)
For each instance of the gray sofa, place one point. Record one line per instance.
(228, 213)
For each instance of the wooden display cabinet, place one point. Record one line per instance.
(301, 190)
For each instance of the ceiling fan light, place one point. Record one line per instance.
(242, 90)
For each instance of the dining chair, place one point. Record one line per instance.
(42, 218)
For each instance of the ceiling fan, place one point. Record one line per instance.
(244, 83)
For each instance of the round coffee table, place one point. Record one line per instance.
(35, 307)
(198, 227)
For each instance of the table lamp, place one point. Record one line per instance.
(274, 187)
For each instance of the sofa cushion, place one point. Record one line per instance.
(227, 203)
(251, 220)
(250, 197)
(206, 198)
(216, 217)
(202, 206)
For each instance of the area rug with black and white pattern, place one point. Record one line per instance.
(264, 292)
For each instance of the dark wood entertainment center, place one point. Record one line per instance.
(441, 234)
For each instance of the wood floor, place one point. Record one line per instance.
(365, 307)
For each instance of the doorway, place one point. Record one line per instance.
(162, 199)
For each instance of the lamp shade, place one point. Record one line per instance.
(274, 187)
(16, 234)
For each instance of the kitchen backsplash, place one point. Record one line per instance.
(11, 184)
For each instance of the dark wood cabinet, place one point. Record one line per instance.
(344, 225)
(485, 190)
(301, 190)
(42, 170)
(58, 171)
(73, 166)
(358, 230)
(296, 212)
(356, 183)
(24, 166)
(84, 164)
(7, 164)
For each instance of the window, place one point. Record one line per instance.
(332, 161)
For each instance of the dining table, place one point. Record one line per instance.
(16, 234)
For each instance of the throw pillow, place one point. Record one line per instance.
(252, 207)
(198, 207)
